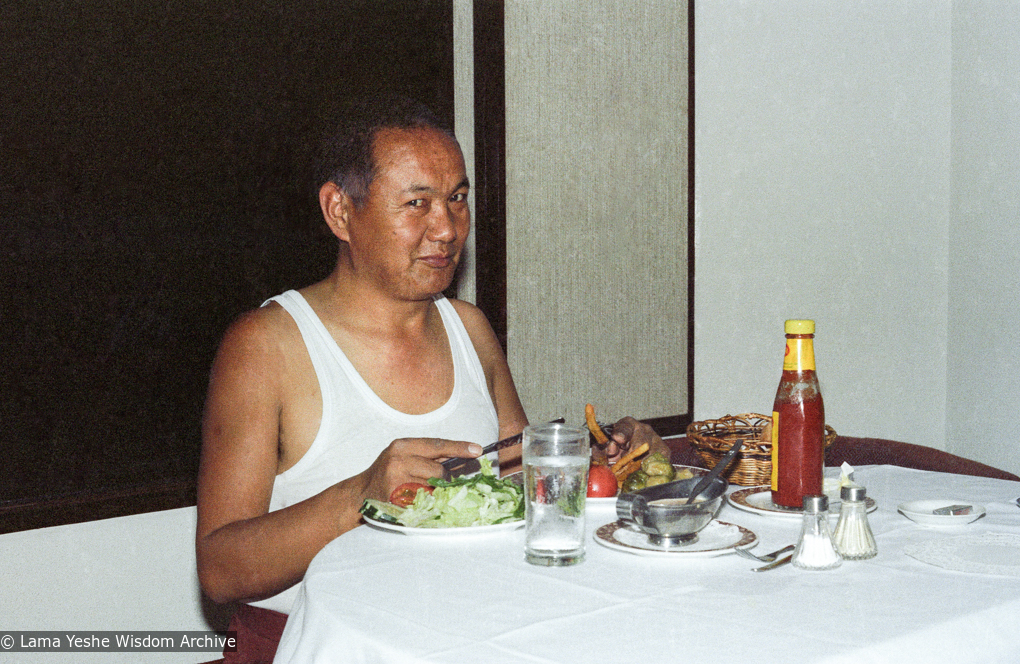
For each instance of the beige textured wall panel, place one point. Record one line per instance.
(597, 206)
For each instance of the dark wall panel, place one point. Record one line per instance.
(154, 184)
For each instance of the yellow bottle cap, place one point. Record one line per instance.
(800, 327)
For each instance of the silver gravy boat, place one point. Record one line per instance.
(663, 514)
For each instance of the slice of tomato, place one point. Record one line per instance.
(404, 494)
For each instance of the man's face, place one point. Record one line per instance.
(408, 235)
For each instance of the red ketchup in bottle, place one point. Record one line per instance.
(798, 421)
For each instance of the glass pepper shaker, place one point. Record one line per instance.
(815, 550)
(853, 537)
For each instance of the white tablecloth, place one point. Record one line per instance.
(375, 596)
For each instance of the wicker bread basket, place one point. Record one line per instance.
(711, 439)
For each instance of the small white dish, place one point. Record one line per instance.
(923, 512)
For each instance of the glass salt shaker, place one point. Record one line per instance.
(815, 550)
(853, 537)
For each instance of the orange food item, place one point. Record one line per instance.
(593, 426)
(629, 456)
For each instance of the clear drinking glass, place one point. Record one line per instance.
(556, 458)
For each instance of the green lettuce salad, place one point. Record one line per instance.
(479, 500)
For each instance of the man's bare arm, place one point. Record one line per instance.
(244, 551)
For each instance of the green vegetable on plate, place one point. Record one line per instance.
(479, 500)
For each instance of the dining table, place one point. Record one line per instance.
(933, 593)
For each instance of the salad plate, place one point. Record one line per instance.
(445, 532)
(758, 499)
(716, 539)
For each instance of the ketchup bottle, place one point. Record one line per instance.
(798, 421)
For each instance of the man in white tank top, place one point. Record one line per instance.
(394, 193)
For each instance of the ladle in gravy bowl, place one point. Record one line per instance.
(662, 511)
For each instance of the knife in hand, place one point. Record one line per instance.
(458, 466)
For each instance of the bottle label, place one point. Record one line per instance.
(775, 450)
(800, 356)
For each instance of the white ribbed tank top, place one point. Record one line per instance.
(357, 425)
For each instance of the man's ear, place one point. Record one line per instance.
(336, 206)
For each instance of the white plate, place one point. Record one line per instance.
(920, 511)
(601, 502)
(758, 499)
(716, 539)
(445, 532)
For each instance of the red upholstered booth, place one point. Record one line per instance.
(869, 451)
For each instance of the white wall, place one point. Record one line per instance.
(984, 234)
(828, 152)
(129, 573)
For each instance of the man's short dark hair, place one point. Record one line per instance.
(345, 157)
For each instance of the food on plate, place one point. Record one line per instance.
(684, 474)
(601, 482)
(598, 450)
(477, 500)
(623, 471)
(634, 470)
(405, 494)
(628, 462)
(593, 426)
(654, 469)
(658, 466)
(635, 481)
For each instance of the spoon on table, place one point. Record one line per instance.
(706, 481)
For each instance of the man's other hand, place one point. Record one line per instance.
(629, 433)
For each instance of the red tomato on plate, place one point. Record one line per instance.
(404, 494)
(601, 482)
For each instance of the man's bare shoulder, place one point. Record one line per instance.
(260, 337)
(474, 320)
(481, 333)
(265, 326)
(248, 382)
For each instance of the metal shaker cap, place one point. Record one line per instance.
(852, 494)
(816, 504)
